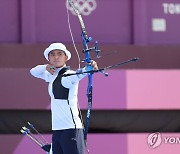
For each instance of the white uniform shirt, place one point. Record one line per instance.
(65, 113)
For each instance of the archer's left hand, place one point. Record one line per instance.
(94, 65)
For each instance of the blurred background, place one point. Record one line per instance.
(137, 99)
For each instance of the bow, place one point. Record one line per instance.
(87, 60)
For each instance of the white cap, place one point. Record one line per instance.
(58, 46)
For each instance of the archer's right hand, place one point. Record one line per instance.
(51, 69)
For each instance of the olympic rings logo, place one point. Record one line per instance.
(85, 7)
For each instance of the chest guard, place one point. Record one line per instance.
(59, 91)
